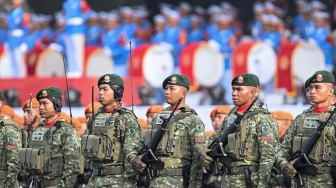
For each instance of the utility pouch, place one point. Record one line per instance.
(96, 147)
(32, 160)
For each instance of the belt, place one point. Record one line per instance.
(320, 170)
(166, 172)
(49, 182)
(113, 170)
(239, 170)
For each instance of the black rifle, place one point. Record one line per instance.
(217, 146)
(153, 163)
(302, 163)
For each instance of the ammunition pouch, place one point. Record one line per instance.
(3, 175)
(238, 170)
(32, 160)
(315, 156)
(111, 170)
(3, 160)
(96, 147)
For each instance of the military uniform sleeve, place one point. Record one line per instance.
(286, 146)
(13, 145)
(197, 139)
(133, 135)
(71, 148)
(267, 149)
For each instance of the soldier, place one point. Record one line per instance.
(220, 113)
(284, 120)
(88, 109)
(10, 140)
(253, 145)
(53, 144)
(35, 117)
(120, 133)
(152, 111)
(180, 143)
(323, 155)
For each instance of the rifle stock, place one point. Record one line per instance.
(153, 163)
(217, 147)
(302, 163)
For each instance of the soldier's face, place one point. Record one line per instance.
(106, 94)
(46, 108)
(218, 120)
(242, 95)
(320, 92)
(150, 116)
(173, 93)
(26, 115)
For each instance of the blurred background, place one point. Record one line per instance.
(282, 41)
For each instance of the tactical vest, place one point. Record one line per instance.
(325, 148)
(105, 141)
(37, 158)
(176, 141)
(242, 145)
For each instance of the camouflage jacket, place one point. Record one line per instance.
(66, 144)
(254, 143)
(323, 153)
(10, 141)
(190, 128)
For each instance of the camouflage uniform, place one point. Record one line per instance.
(10, 141)
(259, 135)
(323, 154)
(125, 133)
(178, 148)
(63, 155)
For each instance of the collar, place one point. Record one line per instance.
(116, 107)
(242, 109)
(50, 124)
(320, 110)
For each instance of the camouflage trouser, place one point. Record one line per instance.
(167, 182)
(110, 181)
(318, 181)
(9, 184)
(239, 181)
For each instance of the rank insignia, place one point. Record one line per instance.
(107, 78)
(240, 79)
(319, 77)
(44, 93)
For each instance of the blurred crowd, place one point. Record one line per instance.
(77, 26)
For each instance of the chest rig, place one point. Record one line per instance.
(325, 148)
(242, 144)
(105, 140)
(176, 141)
(3, 141)
(43, 156)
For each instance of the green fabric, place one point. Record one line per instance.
(176, 79)
(322, 76)
(48, 93)
(245, 80)
(111, 79)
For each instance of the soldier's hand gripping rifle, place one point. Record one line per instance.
(153, 163)
(217, 146)
(302, 163)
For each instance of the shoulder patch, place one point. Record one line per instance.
(199, 128)
(265, 129)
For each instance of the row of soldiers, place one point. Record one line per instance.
(174, 150)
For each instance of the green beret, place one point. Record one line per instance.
(245, 80)
(48, 93)
(307, 83)
(322, 76)
(111, 79)
(2, 98)
(178, 80)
